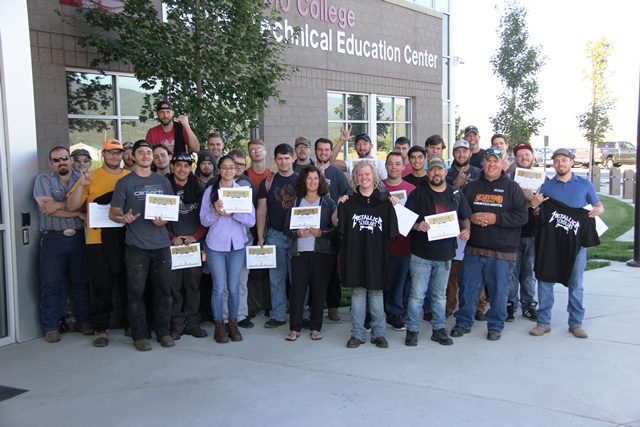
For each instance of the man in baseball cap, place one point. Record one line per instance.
(302, 148)
(165, 133)
(81, 160)
(472, 136)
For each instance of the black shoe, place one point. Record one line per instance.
(448, 314)
(246, 323)
(459, 331)
(273, 323)
(441, 337)
(412, 339)
(428, 316)
(196, 332)
(530, 313)
(306, 324)
(510, 312)
(367, 326)
(176, 333)
(480, 316)
(380, 342)
(354, 342)
(493, 335)
(396, 323)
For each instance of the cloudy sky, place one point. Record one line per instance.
(562, 29)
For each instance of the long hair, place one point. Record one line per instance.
(301, 183)
(214, 188)
(359, 165)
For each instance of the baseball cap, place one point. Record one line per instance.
(562, 152)
(141, 143)
(436, 162)
(182, 157)
(127, 145)
(362, 136)
(112, 144)
(461, 143)
(80, 152)
(493, 152)
(303, 140)
(521, 146)
(470, 129)
(164, 105)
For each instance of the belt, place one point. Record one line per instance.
(68, 232)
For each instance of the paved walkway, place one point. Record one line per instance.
(553, 380)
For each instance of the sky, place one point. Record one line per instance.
(562, 30)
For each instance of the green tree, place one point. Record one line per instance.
(517, 64)
(216, 60)
(595, 123)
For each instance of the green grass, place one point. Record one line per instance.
(618, 216)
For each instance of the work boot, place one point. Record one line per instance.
(101, 339)
(220, 335)
(412, 339)
(234, 332)
(510, 312)
(334, 314)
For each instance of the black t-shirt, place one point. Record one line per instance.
(560, 234)
(476, 159)
(279, 197)
(415, 181)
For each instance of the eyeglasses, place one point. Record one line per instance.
(60, 159)
(81, 160)
(227, 168)
(240, 165)
(256, 150)
(113, 152)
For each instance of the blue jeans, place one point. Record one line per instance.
(478, 271)
(427, 275)
(226, 268)
(522, 276)
(63, 260)
(278, 275)
(393, 298)
(576, 293)
(359, 297)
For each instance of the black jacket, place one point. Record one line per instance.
(323, 243)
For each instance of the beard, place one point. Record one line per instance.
(456, 163)
(437, 181)
(362, 156)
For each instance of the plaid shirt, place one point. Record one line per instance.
(49, 184)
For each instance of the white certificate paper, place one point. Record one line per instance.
(185, 256)
(601, 227)
(529, 179)
(236, 200)
(400, 194)
(442, 226)
(261, 257)
(305, 217)
(406, 219)
(162, 206)
(99, 216)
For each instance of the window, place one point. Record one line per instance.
(390, 120)
(101, 107)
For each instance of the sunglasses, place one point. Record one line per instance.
(495, 151)
(60, 159)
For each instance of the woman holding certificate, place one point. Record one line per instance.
(225, 249)
(310, 223)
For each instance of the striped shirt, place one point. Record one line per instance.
(49, 184)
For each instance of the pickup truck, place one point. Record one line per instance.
(608, 154)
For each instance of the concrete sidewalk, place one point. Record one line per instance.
(553, 380)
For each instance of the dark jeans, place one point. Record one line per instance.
(312, 271)
(155, 263)
(63, 260)
(334, 291)
(186, 297)
(394, 297)
(102, 287)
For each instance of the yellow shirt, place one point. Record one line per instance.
(102, 182)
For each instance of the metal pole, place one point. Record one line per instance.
(635, 262)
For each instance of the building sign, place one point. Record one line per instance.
(106, 5)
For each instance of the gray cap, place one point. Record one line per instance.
(436, 162)
(562, 152)
(460, 143)
(80, 152)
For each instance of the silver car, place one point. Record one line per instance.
(540, 156)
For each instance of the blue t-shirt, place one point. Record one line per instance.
(576, 193)
(279, 197)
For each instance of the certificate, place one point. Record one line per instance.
(306, 217)
(354, 162)
(185, 256)
(98, 216)
(406, 219)
(601, 227)
(529, 179)
(400, 194)
(261, 257)
(234, 200)
(442, 226)
(162, 206)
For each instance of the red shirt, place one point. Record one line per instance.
(400, 245)
(156, 135)
(257, 178)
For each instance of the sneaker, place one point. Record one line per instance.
(52, 336)
(380, 342)
(441, 337)
(166, 341)
(459, 331)
(493, 335)
(142, 345)
(273, 323)
(334, 314)
(530, 313)
(539, 330)
(396, 323)
(86, 329)
(412, 339)
(176, 333)
(246, 323)
(578, 332)
(480, 316)
(101, 339)
(510, 312)
(196, 332)
(354, 342)
(428, 316)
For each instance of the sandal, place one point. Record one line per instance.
(315, 335)
(292, 336)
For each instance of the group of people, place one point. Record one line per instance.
(506, 233)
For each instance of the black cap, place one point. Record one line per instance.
(80, 152)
(470, 129)
(141, 143)
(362, 136)
(127, 145)
(562, 152)
(164, 105)
(206, 156)
(182, 157)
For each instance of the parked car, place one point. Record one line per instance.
(540, 156)
(608, 154)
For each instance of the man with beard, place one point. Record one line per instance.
(461, 171)
(472, 136)
(363, 147)
(431, 259)
(63, 253)
(207, 167)
(302, 148)
(165, 133)
(127, 157)
(105, 247)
